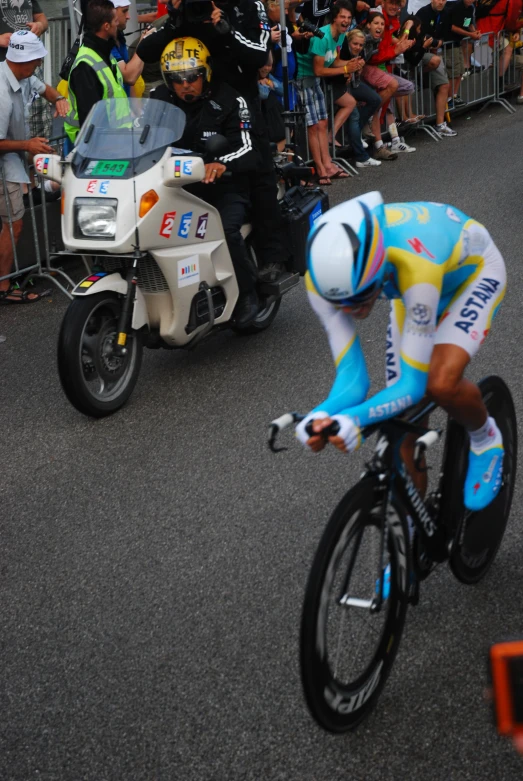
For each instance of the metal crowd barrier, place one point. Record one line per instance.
(481, 88)
(40, 239)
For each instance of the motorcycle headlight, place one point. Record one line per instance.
(95, 218)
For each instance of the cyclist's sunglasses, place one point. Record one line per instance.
(360, 298)
(189, 76)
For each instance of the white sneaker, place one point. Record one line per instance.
(368, 163)
(445, 130)
(364, 143)
(401, 146)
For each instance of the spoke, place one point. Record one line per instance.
(338, 650)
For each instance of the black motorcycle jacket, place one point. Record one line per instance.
(223, 110)
(237, 51)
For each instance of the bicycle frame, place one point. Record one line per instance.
(389, 469)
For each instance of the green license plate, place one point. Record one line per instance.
(110, 168)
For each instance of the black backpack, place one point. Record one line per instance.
(67, 64)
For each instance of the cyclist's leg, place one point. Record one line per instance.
(392, 370)
(462, 329)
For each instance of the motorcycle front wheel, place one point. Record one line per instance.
(96, 381)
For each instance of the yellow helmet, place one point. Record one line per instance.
(185, 56)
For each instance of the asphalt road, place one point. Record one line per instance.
(154, 563)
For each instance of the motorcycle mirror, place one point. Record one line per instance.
(216, 146)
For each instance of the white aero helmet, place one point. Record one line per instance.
(346, 252)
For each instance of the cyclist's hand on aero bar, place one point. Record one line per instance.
(348, 439)
(315, 443)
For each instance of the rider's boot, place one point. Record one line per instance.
(272, 271)
(246, 308)
(485, 469)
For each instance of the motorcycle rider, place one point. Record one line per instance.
(211, 110)
(237, 34)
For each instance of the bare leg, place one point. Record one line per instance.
(314, 146)
(504, 60)
(347, 105)
(442, 96)
(385, 96)
(6, 250)
(323, 140)
(459, 397)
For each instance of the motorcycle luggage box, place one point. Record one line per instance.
(300, 208)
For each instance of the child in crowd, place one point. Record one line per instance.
(351, 58)
(270, 88)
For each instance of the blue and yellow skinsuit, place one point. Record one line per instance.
(445, 279)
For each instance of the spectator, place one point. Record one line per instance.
(498, 16)
(381, 81)
(273, 12)
(392, 44)
(131, 68)
(324, 51)
(22, 15)
(429, 32)
(460, 20)
(95, 74)
(270, 89)
(312, 101)
(18, 86)
(368, 100)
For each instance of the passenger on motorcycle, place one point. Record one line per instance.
(445, 279)
(212, 110)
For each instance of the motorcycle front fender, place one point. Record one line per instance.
(100, 281)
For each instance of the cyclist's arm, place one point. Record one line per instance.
(351, 384)
(417, 342)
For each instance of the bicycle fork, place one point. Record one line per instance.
(375, 603)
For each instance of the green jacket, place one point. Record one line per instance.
(112, 88)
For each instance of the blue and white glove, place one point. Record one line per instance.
(300, 428)
(349, 432)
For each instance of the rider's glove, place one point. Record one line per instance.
(300, 428)
(349, 432)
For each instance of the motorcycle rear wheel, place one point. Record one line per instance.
(94, 380)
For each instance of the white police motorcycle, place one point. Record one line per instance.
(162, 274)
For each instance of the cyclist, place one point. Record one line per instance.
(445, 279)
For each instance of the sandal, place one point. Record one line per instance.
(324, 181)
(340, 175)
(17, 296)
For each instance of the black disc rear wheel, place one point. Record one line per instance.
(479, 534)
(347, 645)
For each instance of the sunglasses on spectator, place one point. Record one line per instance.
(189, 76)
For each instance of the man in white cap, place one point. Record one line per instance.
(18, 89)
(131, 68)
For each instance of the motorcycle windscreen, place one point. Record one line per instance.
(123, 137)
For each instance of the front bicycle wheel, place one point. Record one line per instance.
(479, 534)
(348, 643)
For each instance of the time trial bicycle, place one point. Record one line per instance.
(382, 539)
